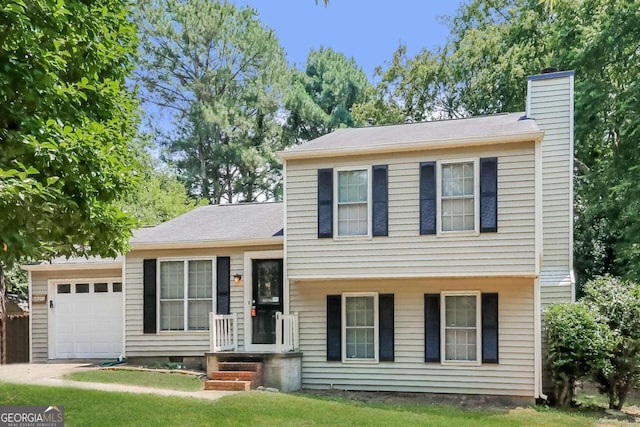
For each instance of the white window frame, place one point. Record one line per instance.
(336, 172)
(443, 325)
(185, 298)
(376, 330)
(476, 198)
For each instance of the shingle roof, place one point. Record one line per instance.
(371, 137)
(217, 223)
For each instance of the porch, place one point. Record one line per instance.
(280, 368)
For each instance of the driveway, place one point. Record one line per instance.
(50, 374)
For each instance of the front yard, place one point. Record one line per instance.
(88, 408)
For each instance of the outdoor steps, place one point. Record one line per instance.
(235, 376)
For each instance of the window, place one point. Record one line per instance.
(458, 197)
(117, 286)
(100, 288)
(82, 288)
(64, 288)
(186, 294)
(360, 324)
(353, 202)
(461, 323)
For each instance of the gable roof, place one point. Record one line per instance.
(498, 128)
(216, 225)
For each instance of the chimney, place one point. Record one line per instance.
(550, 104)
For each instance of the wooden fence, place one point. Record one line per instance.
(17, 338)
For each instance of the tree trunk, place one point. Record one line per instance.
(564, 392)
(3, 318)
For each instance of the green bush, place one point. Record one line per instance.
(579, 344)
(618, 305)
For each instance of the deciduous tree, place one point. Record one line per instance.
(66, 120)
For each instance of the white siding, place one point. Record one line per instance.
(40, 312)
(405, 252)
(139, 344)
(551, 105)
(514, 375)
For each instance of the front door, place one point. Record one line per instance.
(267, 299)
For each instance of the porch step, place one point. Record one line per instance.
(235, 376)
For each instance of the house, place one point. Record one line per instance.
(414, 257)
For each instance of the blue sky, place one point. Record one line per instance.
(367, 30)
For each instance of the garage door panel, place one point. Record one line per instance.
(88, 325)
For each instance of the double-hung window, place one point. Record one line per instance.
(461, 324)
(360, 325)
(458, 202)
(353, 202)
(186, 294)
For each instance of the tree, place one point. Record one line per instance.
(66, 119)
(320, 99)
(218, 72)
(158, 196)
(618, 303)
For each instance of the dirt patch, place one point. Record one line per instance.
(391, 398)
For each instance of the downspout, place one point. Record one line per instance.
(123, 354)
(30, 318)
(537, 332)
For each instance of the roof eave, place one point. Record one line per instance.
(73, 266)
(530, 136)
(276, 240)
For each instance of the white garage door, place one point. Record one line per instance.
(88, 320)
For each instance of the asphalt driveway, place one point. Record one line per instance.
(50, 374)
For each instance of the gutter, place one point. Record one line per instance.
(278, 240)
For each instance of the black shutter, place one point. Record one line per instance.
(432, 327)
(489, 194)
(385, 327)
(428, 198)
(149, 296)
(489, 328)
(334, 327)
(325, 203)
(380, 201)
(223, 284)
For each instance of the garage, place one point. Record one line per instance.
(86, 319)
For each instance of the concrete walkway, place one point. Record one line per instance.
(50, 374)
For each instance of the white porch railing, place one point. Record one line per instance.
(287, 333)
(224, 332)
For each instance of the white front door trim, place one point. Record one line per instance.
(248, 294)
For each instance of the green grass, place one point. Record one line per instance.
(173, 381)
(95, 408)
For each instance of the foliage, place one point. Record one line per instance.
(578, 344)
(618, 304)
(17, 282)
(218, 73)
(83, 407)
(158, 195)
(319, 99)
(416, 89)
(65, 122)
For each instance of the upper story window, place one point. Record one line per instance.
(352, 207)
(458, 201)
(186, 294)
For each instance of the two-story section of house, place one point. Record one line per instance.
(418, 255)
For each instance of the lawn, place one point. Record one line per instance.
(173, 381)
(95, 408)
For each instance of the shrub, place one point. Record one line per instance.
(618, 305)
(579, 344)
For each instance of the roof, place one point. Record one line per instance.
(76, 263)
(220, 225)
(511, 127)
